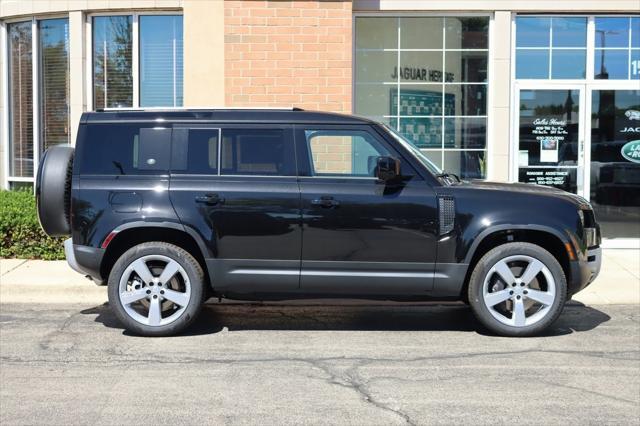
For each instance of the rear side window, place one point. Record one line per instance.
(124, 149)
(195, 151)
(266, 152)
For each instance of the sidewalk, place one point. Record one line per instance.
(39, 281)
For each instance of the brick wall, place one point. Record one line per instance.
(288, 53)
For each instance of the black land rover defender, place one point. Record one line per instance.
(172, 207)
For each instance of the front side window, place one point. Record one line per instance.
(343, 153)
(426, 77)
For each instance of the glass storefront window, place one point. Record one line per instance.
(427, 78)
(551, 47)
(20, 99)
(617, 48)
(549, 138)
(615, 161)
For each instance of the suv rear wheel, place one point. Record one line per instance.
(517, 289)
(156, 289)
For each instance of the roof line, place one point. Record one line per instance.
(196, 108)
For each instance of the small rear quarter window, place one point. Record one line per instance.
(123, 149)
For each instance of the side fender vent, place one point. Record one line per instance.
(447, 214)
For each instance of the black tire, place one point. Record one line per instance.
(190, 266)
(493, 257)
(53, 190)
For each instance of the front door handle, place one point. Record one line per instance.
(209, 199)
(325, 201)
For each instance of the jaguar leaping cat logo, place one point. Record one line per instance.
(632, 114)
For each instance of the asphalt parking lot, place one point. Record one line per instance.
(313, 364)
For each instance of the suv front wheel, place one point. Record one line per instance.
(517, 289)
(156, 289)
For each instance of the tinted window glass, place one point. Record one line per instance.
(123, 149)
(195, 151)
(257, 152)
(346, 153)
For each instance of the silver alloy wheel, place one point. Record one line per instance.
(523, 300)
(167, 293)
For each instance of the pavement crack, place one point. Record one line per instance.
(351, 379)
(592, 392)
(14, 268)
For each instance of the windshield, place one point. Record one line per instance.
(414, 150)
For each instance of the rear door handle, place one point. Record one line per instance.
(209, 199)
(325, 201)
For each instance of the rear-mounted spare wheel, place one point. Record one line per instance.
(53, 190)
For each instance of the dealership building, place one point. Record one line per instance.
(544, 92)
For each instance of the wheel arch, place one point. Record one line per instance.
(547, 238)
(134, 233)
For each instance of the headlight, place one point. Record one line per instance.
(581, 216)
(590, 236)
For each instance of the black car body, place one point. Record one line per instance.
(240, 191)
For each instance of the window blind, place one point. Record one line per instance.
(160, 60)
(20, 100)
(54, 81)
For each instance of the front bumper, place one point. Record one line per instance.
(84, 260)
(585, 270)
(594, 260)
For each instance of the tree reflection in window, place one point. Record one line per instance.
(112, 62)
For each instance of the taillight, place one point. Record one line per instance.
(107, 240)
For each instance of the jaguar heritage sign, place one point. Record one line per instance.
(420, 74)
(631, 151)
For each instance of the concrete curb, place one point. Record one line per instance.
(40, 281)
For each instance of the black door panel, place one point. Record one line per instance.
(360, 235)
(252, 222)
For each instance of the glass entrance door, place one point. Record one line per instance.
(550, 137)
(614, 159)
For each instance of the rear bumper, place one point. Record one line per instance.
(84, 260)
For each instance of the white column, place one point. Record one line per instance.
(77, 77)
(500, 92)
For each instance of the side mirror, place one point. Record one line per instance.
(388, 169)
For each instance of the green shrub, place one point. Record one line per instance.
(20, 232)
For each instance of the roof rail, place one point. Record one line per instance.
(196, 108)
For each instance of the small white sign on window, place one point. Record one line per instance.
(549, 150)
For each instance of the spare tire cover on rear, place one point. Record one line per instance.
(53, 190)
